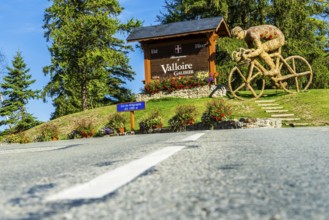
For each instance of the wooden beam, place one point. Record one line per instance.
(172, 36)
(132, 121)
(147, 62)
(167, 43)
(212, 52)
(223, 29)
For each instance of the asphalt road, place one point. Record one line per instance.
(224, 174)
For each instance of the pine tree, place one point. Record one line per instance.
(17, 93)
(181, 10)
(89, 63)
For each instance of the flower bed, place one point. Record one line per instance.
(169, 85)
(198, 92)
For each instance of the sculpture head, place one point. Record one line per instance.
(238, 33)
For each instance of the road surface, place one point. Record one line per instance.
(220, 174)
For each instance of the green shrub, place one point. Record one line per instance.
(12, 138)
(84, 128)
(216, 111)
(20, 138)
(185, 115)
(172, 84)
(116, 122)
(48, 132)
(23, 138)
(151, 122)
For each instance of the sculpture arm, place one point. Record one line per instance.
(254, 53)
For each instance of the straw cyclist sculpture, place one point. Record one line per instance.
(265, 42)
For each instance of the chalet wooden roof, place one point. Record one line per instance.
(205, 25)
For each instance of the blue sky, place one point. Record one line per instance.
(21, 30)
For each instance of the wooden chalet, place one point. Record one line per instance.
(180, 48)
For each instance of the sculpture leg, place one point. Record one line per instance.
(271, 45)
(269, 61)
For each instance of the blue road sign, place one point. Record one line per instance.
(130, 106)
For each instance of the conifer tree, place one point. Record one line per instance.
(16, 93)
(89, 63)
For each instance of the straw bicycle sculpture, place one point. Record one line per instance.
(247, 79)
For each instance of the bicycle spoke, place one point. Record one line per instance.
(304, 73)
(246, 82)
(257, 74)
(240, 87)
(287, 77)
(296, 79)
(294, 65)
(242, 76)
(250, 70)
(297, 84)
(296, 74)
(291, 70)
(252, 90)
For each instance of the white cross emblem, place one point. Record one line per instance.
(178, 49)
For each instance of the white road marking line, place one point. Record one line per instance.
(193, 137)
(112, 180)
(28, 150)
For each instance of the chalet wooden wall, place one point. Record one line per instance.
(183, 56)
(180, 48)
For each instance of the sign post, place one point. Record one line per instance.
(131, 107)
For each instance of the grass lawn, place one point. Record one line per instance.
(311, 106)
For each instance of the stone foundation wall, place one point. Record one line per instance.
(199, 92)
(242, 123)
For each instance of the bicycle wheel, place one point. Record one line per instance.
(247, 83)
(296, 74)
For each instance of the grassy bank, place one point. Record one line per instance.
(311, 107)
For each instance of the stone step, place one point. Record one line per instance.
(282, 115)
(264, 101)
(276, 111)
(288, 119)
(268, 105)
(272, 108)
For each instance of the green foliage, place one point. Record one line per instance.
(23, 138)
(28, 121)
(172, 84)
(151, 122)
(12, 138)
(84, 128)
(179, 10)
(244, 13)
(185, 115)
(19, 138)
(216, 111)
(17, 93)
(48, 132)
(302, 22)
(89, 65)
(202, 76)
(321, 73)
(116, 122)
(226, 47)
